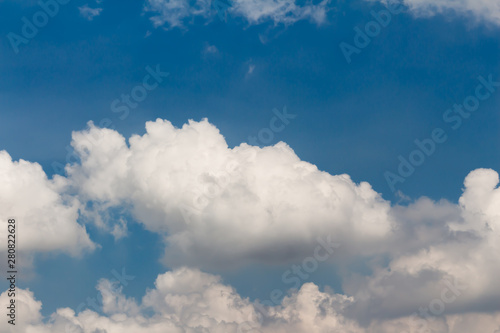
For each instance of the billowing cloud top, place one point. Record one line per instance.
(188, 185)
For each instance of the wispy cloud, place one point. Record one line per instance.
(176, 13)
(88, 12)
(210, 49)
(251, 67)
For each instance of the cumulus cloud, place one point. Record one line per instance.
(217, 205)
(25, 304)
(484, 10)
(185, 300)
(453, 270)
(432, 265)
(174, 13)
(188, 300)
(46, 217)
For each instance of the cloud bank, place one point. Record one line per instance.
(188, 300)
(430, 265)
(218, 205)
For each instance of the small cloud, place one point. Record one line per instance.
(402, 197)
(210, 49)
(175, 13)
(89, 13)
(251, 67)
(120, 230)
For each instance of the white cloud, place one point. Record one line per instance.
(88, 12)
(266, 205)
(459, 245)
(192, 298)
(46, 219)
(484, 10)
(26, 304)
(249, 204)
(187, 300)
(219, 206)
(210, 49)
(176, 12)
(280, 11)
(186, 184)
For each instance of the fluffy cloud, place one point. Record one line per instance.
(188, 300)
(25, 304)
(184, 300)
(433, 265)
(488, 10)
(176, 12)
(46, 218)
(219, 205)
(455, 274)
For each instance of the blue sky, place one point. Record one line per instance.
(351, 118)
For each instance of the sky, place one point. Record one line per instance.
(251, 166)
